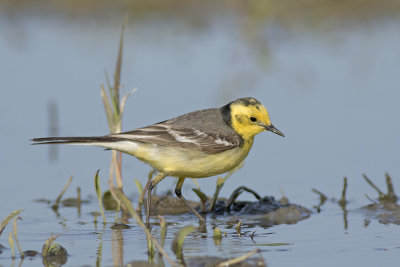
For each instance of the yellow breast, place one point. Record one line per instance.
(182, 162)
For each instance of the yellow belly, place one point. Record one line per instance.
(182, 162)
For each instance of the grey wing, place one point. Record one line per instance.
(167, 134)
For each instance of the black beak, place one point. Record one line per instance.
(271, 128)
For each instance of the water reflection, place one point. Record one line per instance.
(117, 247)
(53, 128)
(100, 239)
(343, 203)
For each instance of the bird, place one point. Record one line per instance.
(198, 144)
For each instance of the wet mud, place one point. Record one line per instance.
(264, 211)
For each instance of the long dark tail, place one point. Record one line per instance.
(74, 140)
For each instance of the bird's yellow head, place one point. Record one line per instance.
(249, 117)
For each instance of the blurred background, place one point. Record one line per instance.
(328, 72)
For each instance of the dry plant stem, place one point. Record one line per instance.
(370, 199)
(235, 194)
(238, 228)
(132, 211)
(253, 234)
(117, 212)
(389, 184)
(238, 259)
(114, 192)
(216, 193)
(79, 199)
(203, 198)
(150, 250)
(342, 201)
(118, 66)
(107, 106)
(114, 111)
(163, 230)
(390, 189)
(141, 193)
(78, 196)
(111, 177)
(381, 194)
(47, 244)
(322, 197)
(117, 157)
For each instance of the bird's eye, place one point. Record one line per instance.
(253, 119)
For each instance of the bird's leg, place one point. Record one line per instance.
(150, 187)
(179, 194)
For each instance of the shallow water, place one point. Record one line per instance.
(332, 91)
(320, 240)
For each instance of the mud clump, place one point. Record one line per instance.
(266, 210)
(387, 213)
(386, 210)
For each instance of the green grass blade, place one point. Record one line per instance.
(57, 202)
(238, 228)
(117, 212)
(8, 219)
(11, 242)
(108, 82)
(150, 249)
(15, 233)
(177, 244)
(118, 68)
(108, 109)
(47, 245)
(217, 236)
(139, 186)
(98, 193)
